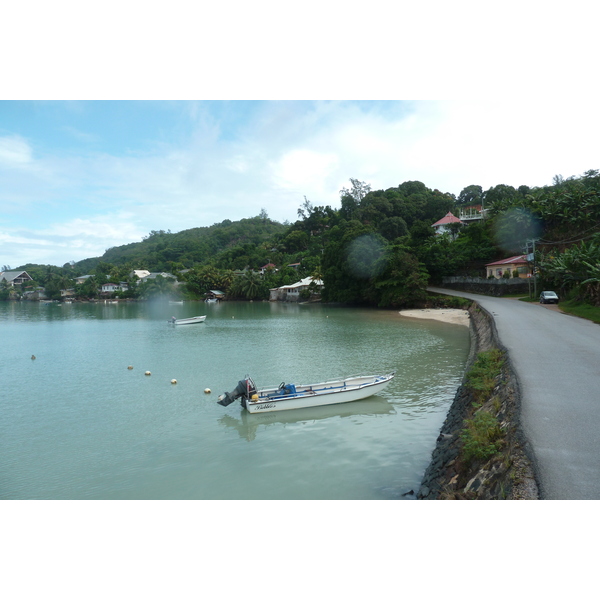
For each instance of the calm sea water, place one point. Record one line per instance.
(76, 423)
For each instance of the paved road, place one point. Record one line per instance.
(557, 361)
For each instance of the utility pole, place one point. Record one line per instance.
(530, 250)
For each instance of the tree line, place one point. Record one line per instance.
(377, 249)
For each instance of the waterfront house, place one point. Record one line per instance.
(291, 293)
(38, 293)
(518, 263)
(110, 288)
(215, 295)
(13, 278)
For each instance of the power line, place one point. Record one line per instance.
(549, 243)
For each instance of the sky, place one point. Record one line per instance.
(119, 122)
(79, 177)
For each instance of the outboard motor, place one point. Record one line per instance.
(243, 390)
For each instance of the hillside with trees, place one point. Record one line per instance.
(377, 249)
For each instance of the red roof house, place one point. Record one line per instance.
(498, 268)
(441, 226)
(266, 267)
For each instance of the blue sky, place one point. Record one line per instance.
(255, 110)
(78, 177)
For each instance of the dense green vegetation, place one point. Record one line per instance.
(377, 249)
(482, 436)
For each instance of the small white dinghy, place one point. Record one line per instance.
(189, 321)
(290, 396)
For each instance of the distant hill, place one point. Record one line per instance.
(161, 249)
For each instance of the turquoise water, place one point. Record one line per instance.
(76, 423)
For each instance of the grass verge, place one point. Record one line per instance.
(584, 311)
(483, 436)
(481, 377)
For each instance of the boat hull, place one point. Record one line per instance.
(321, 394)
(190, 321)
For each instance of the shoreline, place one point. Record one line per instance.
(455, 316)
(509, 473)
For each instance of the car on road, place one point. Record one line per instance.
(548, 298)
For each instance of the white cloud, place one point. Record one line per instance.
(302, 167)
(76, 239)
(14, 151)
(108, 228)
(285, 152)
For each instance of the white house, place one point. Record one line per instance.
(140, 273)
(109, 288)
(291, 293)
(14, 277)
(442, 226)
(82, 279)
(151, 276)
(472, 213)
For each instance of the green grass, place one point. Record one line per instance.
(481, 377)
(575, 308)
(482, 437)
(578, 309)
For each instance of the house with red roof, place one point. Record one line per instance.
(442, 226)
(267, 267)
(514, 263)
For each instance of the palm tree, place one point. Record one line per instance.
(317, 273)
(251, 285)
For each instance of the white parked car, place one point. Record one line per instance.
(548, 298)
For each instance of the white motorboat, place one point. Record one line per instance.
(189, 321)
(290, 396)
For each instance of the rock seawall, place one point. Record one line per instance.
(506, 475)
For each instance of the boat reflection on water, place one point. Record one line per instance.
(248, 424)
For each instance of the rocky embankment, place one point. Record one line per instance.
(508, 474)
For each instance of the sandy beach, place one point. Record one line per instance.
(456, 316)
